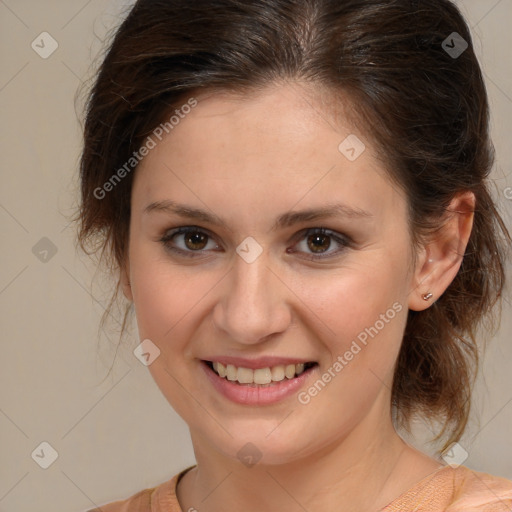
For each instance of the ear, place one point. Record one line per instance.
(440, 258)
(124, 279)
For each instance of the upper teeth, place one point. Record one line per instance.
(260, 375)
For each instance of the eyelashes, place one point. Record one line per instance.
(195, 242)
(318, 238)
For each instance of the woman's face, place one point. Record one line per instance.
(255, 284)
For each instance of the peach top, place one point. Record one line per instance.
(447, 489)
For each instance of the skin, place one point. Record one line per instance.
(249, 160)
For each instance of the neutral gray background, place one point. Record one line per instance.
(117, 435)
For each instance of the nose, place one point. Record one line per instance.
(253, 304)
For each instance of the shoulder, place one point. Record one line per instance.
(161, 498)
(459, 489)
(140, 502)
(474, 491)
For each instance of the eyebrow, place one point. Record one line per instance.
(285, 220)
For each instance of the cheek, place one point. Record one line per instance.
(168, 309)
(165, 295)
(368, 329)
(348, 300)
(359, 315)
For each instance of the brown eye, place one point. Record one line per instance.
(188, 241)
(316, 242)
(319, 243)
(195, 240)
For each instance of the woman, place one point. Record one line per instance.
(294, 194)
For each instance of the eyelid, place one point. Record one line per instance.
(341, 239)
(169, 234)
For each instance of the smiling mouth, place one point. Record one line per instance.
(259, 377)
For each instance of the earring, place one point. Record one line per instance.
(427, 296)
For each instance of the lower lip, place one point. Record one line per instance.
(256, 395)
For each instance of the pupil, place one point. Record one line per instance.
(320, 247)
(195, 239)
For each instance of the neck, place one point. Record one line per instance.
(363, 471)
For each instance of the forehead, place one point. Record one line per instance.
(277, 146)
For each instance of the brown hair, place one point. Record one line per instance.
(425, 109)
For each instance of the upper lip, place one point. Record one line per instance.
(260, 362)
